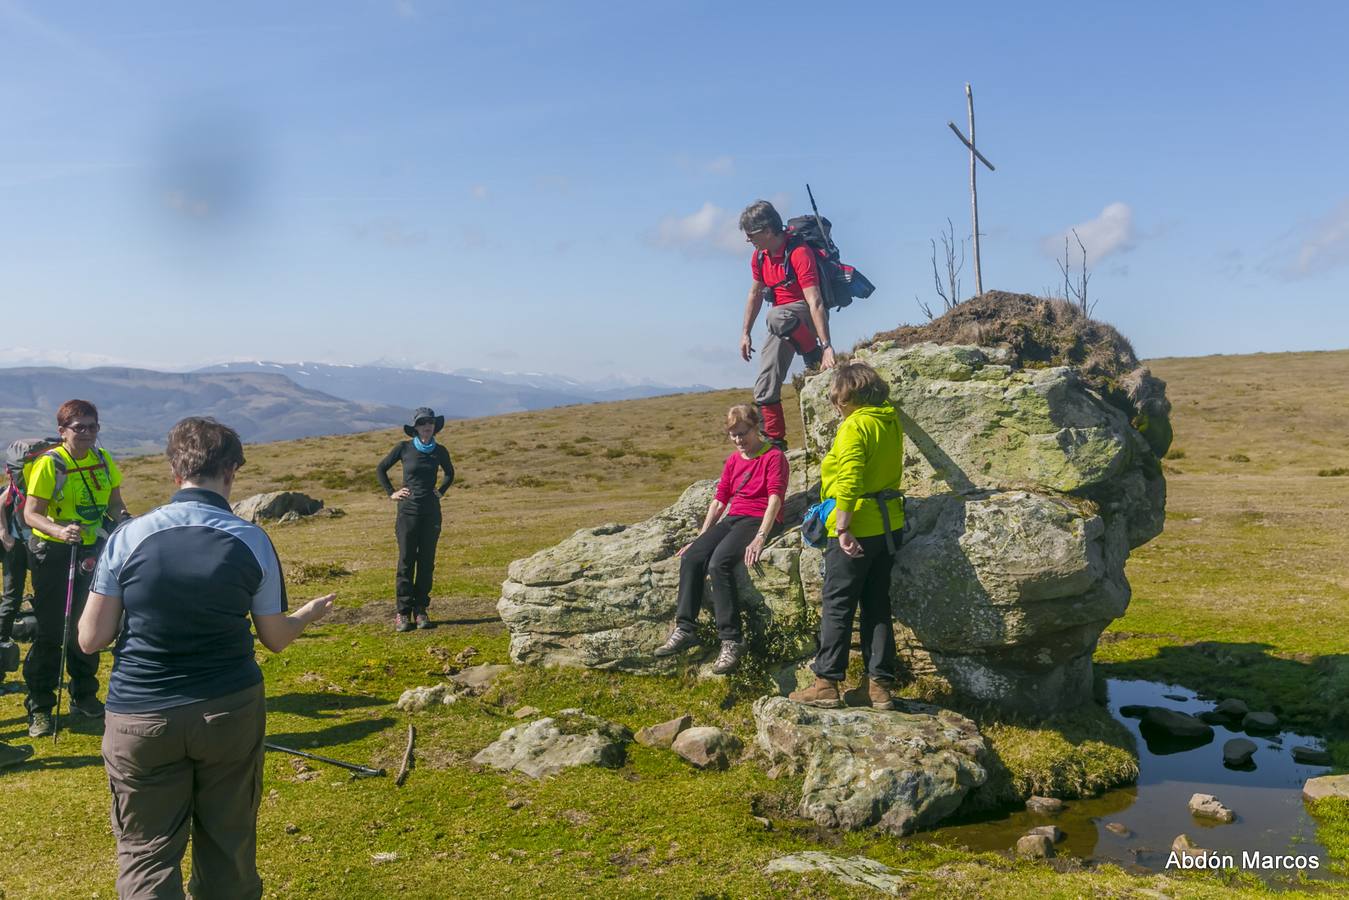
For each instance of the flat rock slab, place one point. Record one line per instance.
(547, 746)
(707, 748)
(1260, 721)
(662, 736)
(858, 871)
(1311, 756)
(476, 679)
(1045, 806)
(1238, 752)
(898, 771)
(1176, 724)
(1324, 786)
(1207, 806)
(1232, 708)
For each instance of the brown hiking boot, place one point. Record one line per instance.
(876, 693)
(823, 693)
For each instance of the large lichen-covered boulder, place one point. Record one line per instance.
(897, 771)
(605, 597)
(1026, 491)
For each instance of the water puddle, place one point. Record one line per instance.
(1267, 799)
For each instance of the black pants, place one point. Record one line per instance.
(716, 552)
(418, 532)
(16, 573)
(42, 666)
(849, 584)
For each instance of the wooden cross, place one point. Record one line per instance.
(975, 155)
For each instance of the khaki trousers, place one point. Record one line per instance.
(198, 765)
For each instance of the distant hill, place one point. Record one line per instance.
(464, 393)
(137, 406)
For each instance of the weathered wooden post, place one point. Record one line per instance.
(975, 156)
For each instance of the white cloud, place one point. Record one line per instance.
(710, 229)
(1112, 231)
(722, 165)
(405, 9)
(479, 192)
(1323, 243)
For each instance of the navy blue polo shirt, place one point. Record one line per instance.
(189, 574)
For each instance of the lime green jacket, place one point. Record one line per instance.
(867, 456)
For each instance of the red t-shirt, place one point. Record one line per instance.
(748, 483)
(773, 269)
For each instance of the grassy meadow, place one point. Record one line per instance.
(1244, 594)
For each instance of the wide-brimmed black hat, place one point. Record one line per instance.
(420, 413)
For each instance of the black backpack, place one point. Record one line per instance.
(839, 283)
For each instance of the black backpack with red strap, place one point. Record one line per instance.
(840, 284)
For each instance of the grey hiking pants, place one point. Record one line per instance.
(196, 767)
(775, 358)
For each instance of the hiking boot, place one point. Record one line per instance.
(402, 623)
(40, 724)
(728, 660)
(874, 692)
(12, 756)
(823, 693)
(678, 640)
(89, 707)
(423, 620)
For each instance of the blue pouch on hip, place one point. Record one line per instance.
(814, 531)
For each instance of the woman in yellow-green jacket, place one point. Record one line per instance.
(861, 474)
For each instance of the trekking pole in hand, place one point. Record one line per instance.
(65, 640)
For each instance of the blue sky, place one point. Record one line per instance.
(553, 186)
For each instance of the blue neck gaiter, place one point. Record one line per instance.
(425, 448)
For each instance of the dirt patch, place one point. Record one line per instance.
(444, 612)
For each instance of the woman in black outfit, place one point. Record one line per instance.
(418, 522)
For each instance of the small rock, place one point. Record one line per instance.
(1183, 846)
(1311, 756)
(515, 803)
(307, 775)
(1323, 786)
(306, 839)
(1238, 752)
(1232, 708)
(525, 712)
(476, 679)
(1213, 717)
(384, 857)
(1177, 724)
(419, 698)
(1133, 710)
(1035, 846)
(1045, 806)
(292, 828)
(1207, 806)
(465, 655)
(767, 825)
(706, 748)
(662, 736)
(1119, 828)
(1053, 832)
(1178, 698)
(289, 517)
(1260, 721)
(546, 746)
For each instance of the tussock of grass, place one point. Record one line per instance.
(1332, 473)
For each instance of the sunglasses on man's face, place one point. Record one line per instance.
(84, 427)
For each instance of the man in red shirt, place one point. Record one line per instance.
(787, 275)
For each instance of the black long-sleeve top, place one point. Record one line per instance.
(419, 473)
